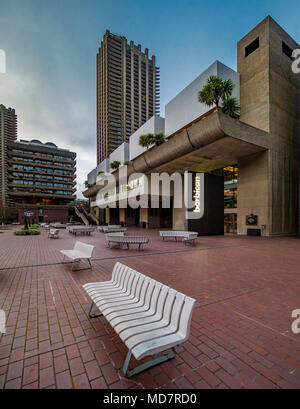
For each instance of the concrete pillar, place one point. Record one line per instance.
(122, 215)
(253, 192)
(179, 219)
(144, 215)
(107, 215)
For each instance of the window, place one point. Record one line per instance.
(252, 47)
(287, 50)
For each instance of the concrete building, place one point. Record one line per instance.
(255, 155)
(39, 178)
(8, 133)
(127, 91)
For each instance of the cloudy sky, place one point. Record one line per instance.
(51, 51)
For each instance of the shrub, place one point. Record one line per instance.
(34, 232)
(25, 232)
(115, 164)
(21, 232)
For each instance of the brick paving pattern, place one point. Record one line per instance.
(245, 287)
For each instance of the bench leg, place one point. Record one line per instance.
(79, 269)
(96, 314)
(143, 367)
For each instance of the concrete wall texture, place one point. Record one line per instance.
(268, 182)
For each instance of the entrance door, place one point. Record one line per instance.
(230, 223)
(114, 216)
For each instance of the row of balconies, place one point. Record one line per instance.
(34, 187)
(41, 165)
(40, 179)
(41, 195)
(72, 176)
(38, 156)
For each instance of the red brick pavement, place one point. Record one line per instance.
(240, 337)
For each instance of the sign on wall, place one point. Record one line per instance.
(251, 220)
(207, 192)
(28, 214)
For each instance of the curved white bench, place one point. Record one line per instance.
(53, 233)
(81, 229)
(148, 316)
(125, 241)
(187, 236)
(113, 229)
(80, 251)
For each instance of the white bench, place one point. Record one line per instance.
(148, 316)
(112, 229)
(125, 241)
(58, 225)
(187, 236)
(81, 229)
(81, 251)
(53, 233)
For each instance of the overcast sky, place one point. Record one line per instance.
(51, 51)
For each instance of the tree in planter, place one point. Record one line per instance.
(100, 173)
(159, 138)
(149, 139)
(231, 107)
(115, 164)
(127, 163)
(146, 140)
(217, 89)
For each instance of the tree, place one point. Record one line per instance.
(146, 140)
(151, 139)
(159, 138)
(231, 107)
(217, 89)
(115, 164)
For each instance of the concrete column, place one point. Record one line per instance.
(253, 192)
(179, 219)
(122, 215)
(107, 215)
(144, 215)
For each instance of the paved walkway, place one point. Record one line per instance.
(245, 287)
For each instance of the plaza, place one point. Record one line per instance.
(245, 290)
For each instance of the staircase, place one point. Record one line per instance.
(80, 213)
(91, 216)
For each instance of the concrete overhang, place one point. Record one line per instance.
(210, 143)
(213, 141)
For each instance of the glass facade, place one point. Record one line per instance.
(230, 175)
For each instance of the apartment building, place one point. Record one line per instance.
(127, 91)
(8, 133)
(39, 177)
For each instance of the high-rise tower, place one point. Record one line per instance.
(8, 133)
(127, 91)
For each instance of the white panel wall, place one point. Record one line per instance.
(156, 124)
(120, 154)
(185, 107)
